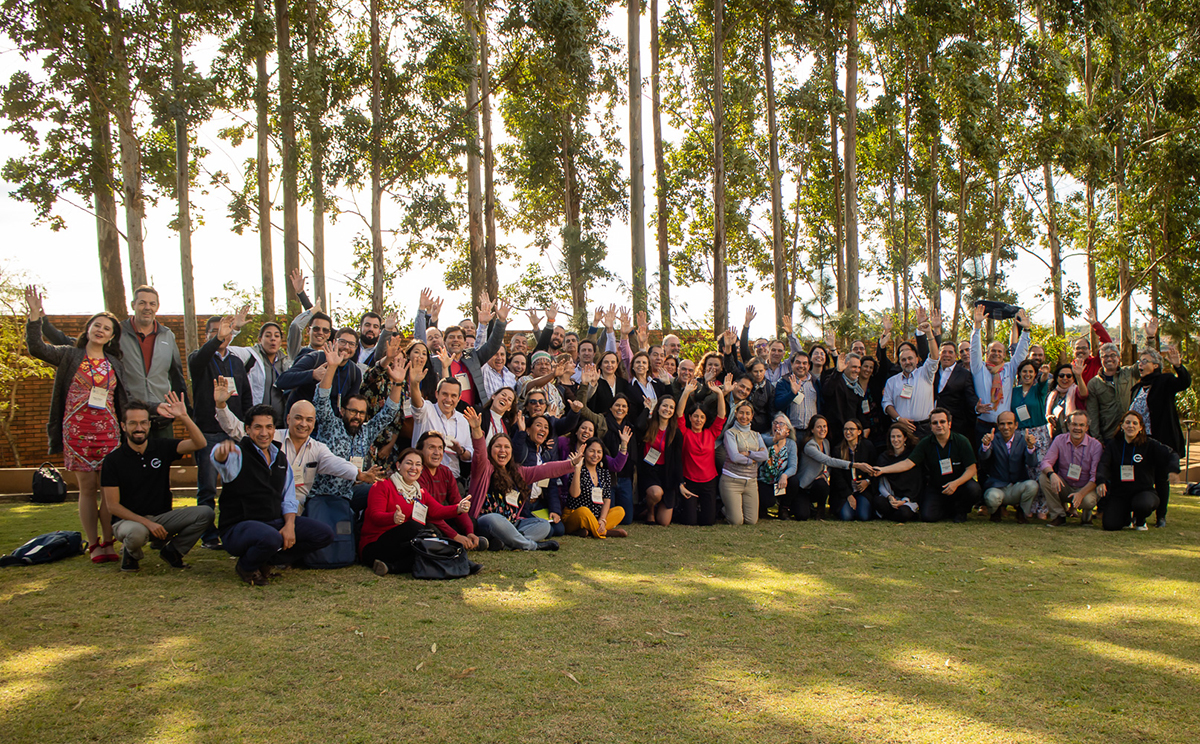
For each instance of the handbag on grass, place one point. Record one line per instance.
(435, 557)
(48, 485)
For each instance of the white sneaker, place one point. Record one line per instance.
(1141, 527)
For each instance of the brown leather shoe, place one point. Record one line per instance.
(253, 578)
(997, 514)
(1021, 519)
(1058, 522)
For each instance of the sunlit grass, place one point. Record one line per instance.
(821, 632)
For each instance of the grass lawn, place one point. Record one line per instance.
(797, 632)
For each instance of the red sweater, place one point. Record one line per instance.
(444, 489)
(699, 462)
(1092, 366)
(381, 511)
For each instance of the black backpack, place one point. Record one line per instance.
(435, 557)
(48, 485)
(46, 548)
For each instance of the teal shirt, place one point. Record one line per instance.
(1034, 401)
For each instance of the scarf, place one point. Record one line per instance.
(410, 492)
(997, 383)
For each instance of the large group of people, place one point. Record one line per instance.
(495, 440)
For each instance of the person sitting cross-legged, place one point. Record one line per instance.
(1008, 457)
(136, 478)
(258, 506)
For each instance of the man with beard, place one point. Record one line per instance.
(552, 336)
(348, 437)
(368, 336)
(1110, 393)
(301, 380)
(136, 478)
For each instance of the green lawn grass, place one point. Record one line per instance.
(797, 632)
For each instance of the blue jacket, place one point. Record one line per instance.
(1004, 467)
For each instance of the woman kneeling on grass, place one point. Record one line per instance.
(500, 489)
(397, 509)
(588, 510)
(1133, 475)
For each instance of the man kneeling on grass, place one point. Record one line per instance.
(136, 478)
(258, 503)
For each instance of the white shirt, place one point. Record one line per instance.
(1008, 373)
(917, 406)
(454, 428)
(493, 380)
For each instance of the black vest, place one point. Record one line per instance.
(257, 491)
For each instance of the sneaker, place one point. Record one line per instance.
(483, 543)
(253, 578)
(128, 562)
(1057, 522)
(1162, 522)
(380, 568)
(213, 544)
(173, 557)
(547, 545)
(1141, 527)
(475, 567)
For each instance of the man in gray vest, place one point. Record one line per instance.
(150, 357)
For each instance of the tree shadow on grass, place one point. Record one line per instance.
(817, 632)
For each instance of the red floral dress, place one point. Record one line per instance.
(90, 433)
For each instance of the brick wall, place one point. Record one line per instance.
(33, 400)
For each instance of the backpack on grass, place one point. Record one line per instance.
(334, 512)
(48, 485)
(46, 548)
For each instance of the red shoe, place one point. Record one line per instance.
(91, 549)
(110, 557)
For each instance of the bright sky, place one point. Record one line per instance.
(66, 263)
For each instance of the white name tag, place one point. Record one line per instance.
(906, 392)
(464, 379)
(1023, 413)
(298, 473)
(597, 495)
(1126, 473)
(420, 512)
(866, 406)
(1074, 471)
(98, 398)
(652, 456)
(357, 461)
(780, 490)
(946, 466)
(408, 409)
(513, 498)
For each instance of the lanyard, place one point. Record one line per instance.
(217, 361)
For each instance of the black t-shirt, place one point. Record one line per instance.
(144, 480)
(929, 454)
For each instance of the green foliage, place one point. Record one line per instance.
(16, 366)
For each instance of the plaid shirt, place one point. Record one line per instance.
(332, 431)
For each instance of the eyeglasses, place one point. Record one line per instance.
(356, 414)
(1065, 375)
(344, 342)
(536, 402)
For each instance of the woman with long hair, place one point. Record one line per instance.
(89, 396)
(852, 490)
(697, 501)
(1133, 477)
(816, 460)
(617, 418)
(898, 493)
(587, 508)
(518, 364)
(500, 489)
(534, 438)
(658, 463)
(397, 509)
(646, 389)
(499, 415)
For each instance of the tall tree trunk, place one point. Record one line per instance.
(997, 222)
(489, 162)
(851, 146)
(904, 256)
(782, 308)
(316, 136)
(1060, 327)
(835, 166)
(376, 155)
(720, 278)
(660, 177)
(1089, 78)
(474, 188)
(131, 148)
(637, 186)
(960, 238)
(191, 339)
(108, 239)
(572, 237)
(1124, 280)
(288, 153)
(893, 254)
(933, 258)
(262, 105)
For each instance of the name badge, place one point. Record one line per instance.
(543, 483)
(420, 512)
(298, 473)
(946, 466)
(357, 461)
(780, 490)
(408, 409)
(906, 392)
(1127, 473)
(1074, 471)
(652, 456)
(597, 495)
(463, 379)
(1023, 413)
(866, 406)
(98, 398)
(232, 386)
(513, 498)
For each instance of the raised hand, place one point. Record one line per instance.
(225, 328)
(729, 336)
(390, 321)
(690, 386)
(641, 320)
(643, 333)
(921, 316)
(371, 476)
(551, 313)
(1173, 355)
(1023, 320)
(977, 314)
(576, 458)
(935, 320)
(243, 314)
(597, 316)
(485, 308)
(887, 323)
(986, 440)
(751, 314)
(1152, 328)
(173, 406)
(625, 434)
(727, 386)
(715, 387)
(623, 314)
(535, 320)
(589, 375)
(397, 370)
(394, 345)
(297, 278)
(787, 324)
(221, 393)
(33, 301)
(562, 366)
(443, 356)
(435, 308)
(831, 339)
(1089, 316)
(1077, 366)
(503, 310)
(576, 405)
(473, 419)
(223, 450)
(319, 371)
(417, 374)
(426, 300)
(610, 317)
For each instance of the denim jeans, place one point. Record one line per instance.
(624, 498)
(524, 535)
(862, 511)
(256, 543)
(206, 480)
